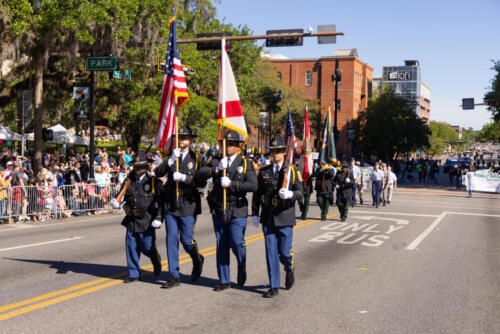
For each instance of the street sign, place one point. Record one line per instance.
(327, 39)
(128, 75)
(188, 70)
(102, 63)
(468, 104)
(117, 74)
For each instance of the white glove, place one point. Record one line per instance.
(347, 180)
(114, 203)
(156, 223)
(176, 154)
(179, 177)
(331, 167)
(225, 181)
(255, 221)
(223, 163)
(337, 186)
(285, 193)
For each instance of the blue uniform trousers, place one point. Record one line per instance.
(354, 193)
(376, 190)
(232, 236)
(278, 249)
(185, 224)
(137, 243)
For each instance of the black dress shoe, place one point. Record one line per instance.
(289, 280)
(303, 217)
(172, 282)
(221, 287)
(271, 293)
(196, 273)
(157, 267)
(323, 218)
(242, 276)
(130, 279)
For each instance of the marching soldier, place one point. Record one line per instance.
(344, 185)
(143, 216)
(230, 224)
(304, 205)
(181, 205)
(324, 188)
(278, 214)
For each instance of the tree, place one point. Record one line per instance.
(492, 97)
(441, 134)
(390, 127)
(490, 132)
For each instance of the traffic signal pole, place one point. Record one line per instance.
(335, 129)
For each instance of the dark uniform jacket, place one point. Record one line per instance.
(243, 180)
(276, 211)
(345, 188)
(324, 181)
(141, 203)
(189, 203)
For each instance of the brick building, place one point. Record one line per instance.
(314, 77)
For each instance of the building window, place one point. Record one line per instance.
(309, 78)
(280, 75)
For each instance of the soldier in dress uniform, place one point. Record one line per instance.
(344, 185)
(230, 224)
(277, 216)
(143, 216)
(181, 204)
(324, 188)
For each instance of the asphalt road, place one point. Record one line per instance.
(427, 263)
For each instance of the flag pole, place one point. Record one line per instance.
(224, 173)
(176, 146)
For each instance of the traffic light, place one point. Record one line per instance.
(285, 41)
(201, 46)
(47, 134)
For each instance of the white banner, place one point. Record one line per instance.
(482, 180)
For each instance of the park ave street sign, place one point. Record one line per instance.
(101, 63)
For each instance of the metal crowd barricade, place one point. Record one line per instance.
(51, 202)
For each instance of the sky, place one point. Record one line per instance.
(454, 41)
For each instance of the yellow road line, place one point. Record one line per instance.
(113, 281)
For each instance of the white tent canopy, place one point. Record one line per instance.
(62, 135)
(6, 134)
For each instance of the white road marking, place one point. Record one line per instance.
(399, 221)
(395, 213)
(58, 224)
(428, 230)
(39, 244)
(472, 214)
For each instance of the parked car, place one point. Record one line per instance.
(450, 164)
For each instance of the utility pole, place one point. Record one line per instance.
(92, 126)
(337, 77)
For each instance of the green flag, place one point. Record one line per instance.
(328, 154)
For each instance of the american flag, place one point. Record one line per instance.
(174, 93)
(290, 133)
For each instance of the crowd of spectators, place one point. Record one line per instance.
(63, 185)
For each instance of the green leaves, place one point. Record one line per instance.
(390, 127)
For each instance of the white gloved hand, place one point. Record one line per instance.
(225, 181)
(176, 154)
(347, 180)
(223, 163)
(179, 177)
(255, 221)
(337, 186)
(285, 193)
(331, 167)
(156, 223)
(114, 203)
